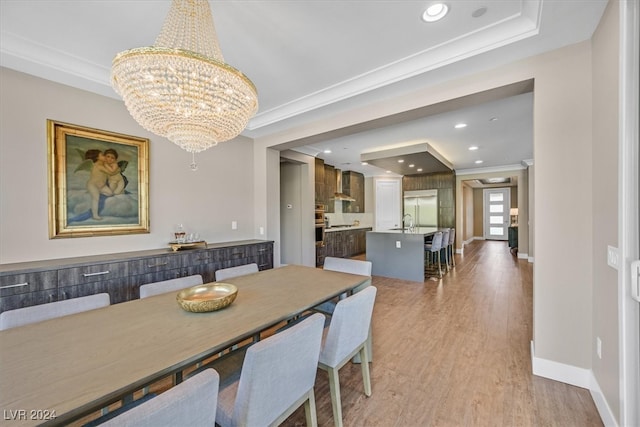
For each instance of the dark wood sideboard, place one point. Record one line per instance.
(121, 274)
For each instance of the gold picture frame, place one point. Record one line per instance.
(98, 182)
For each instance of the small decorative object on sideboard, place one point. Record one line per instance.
(207, 297)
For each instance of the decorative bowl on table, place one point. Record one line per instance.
(207, 297)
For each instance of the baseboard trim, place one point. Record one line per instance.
(523, 256)
(606, 414)
(557, 371)
(578, 377)
(530, 259)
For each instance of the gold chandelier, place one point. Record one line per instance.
(180, 88)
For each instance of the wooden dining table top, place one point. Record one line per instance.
(74, 365)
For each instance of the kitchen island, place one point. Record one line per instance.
(398, 253)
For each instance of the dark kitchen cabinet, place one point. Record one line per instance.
(320, 185)
(342, 244)
(331, 186)
(120, 275)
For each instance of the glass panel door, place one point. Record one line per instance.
(497, 202)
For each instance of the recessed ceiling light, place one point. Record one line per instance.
(479, 161)
(388, 171)
(327, 151)
(473, 148)
(460, 125)
(479, 12)
(435, 12)
(411, 165)
(401, 161)
(493, 119)
(364, 163)
(419, 169)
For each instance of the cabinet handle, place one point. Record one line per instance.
(261, 250)
(51, 298)
(237, 254)
(158, 265)
(17, 285)
(100, 273)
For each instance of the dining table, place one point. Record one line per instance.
(60, 370)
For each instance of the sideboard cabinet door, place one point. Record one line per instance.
(27, 289)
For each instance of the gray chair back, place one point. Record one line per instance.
(349, 327)
(157, 288)
(241, 270)
(436, 243)
(445, 238)
(353, 266)
(452, 236)
(190, 403)
(38, 313)
(277, 377)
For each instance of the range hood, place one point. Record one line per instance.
(339, 195)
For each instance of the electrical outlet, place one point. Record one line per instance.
(261, 231)
(599, 347)
(234, 225)
(612, 257)
(398, 244)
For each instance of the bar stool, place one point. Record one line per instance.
(451, 246)
(433, 248)
(444, 248)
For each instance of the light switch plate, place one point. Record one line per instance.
(398, 244)
(612, 257)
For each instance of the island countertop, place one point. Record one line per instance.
(424, 231)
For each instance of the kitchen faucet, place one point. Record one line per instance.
(410, 221)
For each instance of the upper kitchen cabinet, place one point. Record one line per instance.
(320, 185)
(330, 186)
(353, 185)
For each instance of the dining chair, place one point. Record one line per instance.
(241, 270)
(432, 249)
(157, 288)
(38, 313)
(347, 336)
(353, 266)
(191, 403)
(274, 378)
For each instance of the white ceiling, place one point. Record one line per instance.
(307, 56)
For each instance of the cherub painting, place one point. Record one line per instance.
(102, 171)
(100, 181)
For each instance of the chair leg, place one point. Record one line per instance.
(336, 403)
(366, 377)
(439, 266)
(310, 410)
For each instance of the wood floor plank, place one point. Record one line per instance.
(456, 352)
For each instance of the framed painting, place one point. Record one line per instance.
(98, 182)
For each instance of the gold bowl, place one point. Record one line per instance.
(207, 297)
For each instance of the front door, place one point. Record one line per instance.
(497, 202)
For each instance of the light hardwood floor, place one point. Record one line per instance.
(456, 352)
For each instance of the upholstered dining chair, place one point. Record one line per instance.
(157, 288)
(347, 336)
(241, 270)
(275, 378)
(353, 266)
(38, 313)
(432, 249)
(191, 403)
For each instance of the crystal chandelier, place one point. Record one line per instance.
(180, 88)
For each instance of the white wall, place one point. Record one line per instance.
(206, 201)
(605, 203)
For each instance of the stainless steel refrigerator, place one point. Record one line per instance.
(422, 205)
